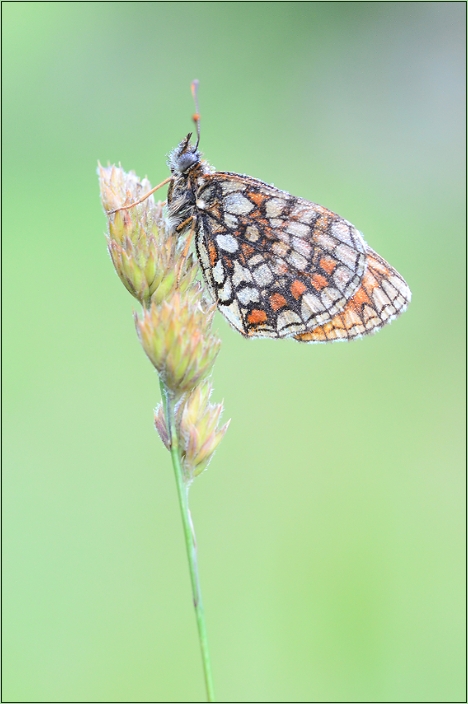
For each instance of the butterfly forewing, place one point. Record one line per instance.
(277, 265)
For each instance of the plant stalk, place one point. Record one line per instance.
(189, 535)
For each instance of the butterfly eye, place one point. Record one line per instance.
(186, 160)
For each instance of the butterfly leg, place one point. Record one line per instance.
(137, 202)
(188, 241)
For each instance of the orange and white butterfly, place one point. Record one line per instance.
(278, 265)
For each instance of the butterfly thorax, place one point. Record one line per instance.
(187, 168)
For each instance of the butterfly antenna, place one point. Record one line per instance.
(196, 116)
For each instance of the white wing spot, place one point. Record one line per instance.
(240, 274)
(341, 231)
(256, 259)
(380, 298)
(280, 249)
(325, 241)
(298, 261)
(346, 255)
(263, 275)
(231, 220)
(238, 204)
(274, 207)
(298, 229)
(208, 193)
(341, 277)
(400, 285)
(307, 216)
(389, 289)
(330, 296)
(225, 292)
(310, 305)
(203, 253)
(218, 272)
(227, 242)
(248, 295)
(288, 317)
(303, 211)
(301, 246)
(231, 186)
(276, 223)
(251, 233)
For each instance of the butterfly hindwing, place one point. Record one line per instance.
(382, 296)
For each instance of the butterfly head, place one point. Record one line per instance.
(183, 157)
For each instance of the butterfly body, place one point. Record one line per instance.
(278, 265)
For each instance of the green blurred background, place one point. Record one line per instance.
(330, 523)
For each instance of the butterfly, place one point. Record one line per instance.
(278, 265)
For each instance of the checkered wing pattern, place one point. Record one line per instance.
(382, 296)
(277, 265)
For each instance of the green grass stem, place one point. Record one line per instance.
(190, 542)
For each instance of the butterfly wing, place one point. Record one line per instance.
(276, 264)
(382, 296)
